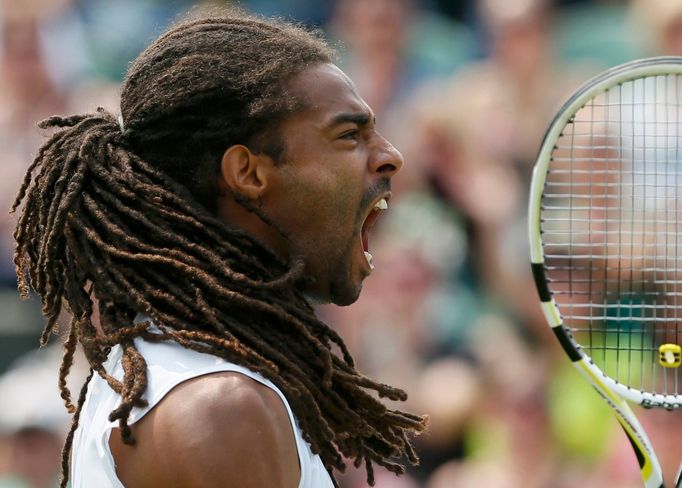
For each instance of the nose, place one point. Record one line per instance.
(385, 160)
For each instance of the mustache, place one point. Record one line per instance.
(378, 188)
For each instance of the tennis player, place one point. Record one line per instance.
(188, 239)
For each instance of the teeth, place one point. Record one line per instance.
(368, 257)
(381, 204)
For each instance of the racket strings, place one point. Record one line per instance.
(610, 227)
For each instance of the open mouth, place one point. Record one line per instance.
(371, 219)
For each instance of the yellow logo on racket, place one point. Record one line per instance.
(670, 355)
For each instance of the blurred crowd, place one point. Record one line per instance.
(465, 90)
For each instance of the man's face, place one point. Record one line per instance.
(327, 192)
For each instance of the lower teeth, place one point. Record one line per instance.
(368, 257)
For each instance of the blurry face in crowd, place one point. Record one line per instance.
(375, 24)
(521, 45)
(672, 38)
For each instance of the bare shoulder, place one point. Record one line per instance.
(222, 429)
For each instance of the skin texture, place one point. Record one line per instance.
(336, 167)
(219, 430)
(225, 429)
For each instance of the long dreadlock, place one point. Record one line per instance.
(107, 225)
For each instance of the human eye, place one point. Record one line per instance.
(350, 135)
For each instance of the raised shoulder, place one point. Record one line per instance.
(218, 430)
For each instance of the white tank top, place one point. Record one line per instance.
(168, 364)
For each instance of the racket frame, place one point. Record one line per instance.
(613, 392)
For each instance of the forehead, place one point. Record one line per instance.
(325, 91)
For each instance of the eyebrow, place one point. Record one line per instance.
(359, 118)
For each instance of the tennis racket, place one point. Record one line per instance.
(605, 228)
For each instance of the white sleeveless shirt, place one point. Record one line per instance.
(168, 365)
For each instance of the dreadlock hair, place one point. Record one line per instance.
(121, 220)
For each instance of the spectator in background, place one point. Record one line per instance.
(27, 94)
(33, 420)
(393, 45)
(476, 139)
(663, 20)
(33, 457)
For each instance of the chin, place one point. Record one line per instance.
(341, 298)
(340, 285)
(345, 295)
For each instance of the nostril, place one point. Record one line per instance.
(387, 168)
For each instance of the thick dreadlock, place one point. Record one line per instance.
(106, 221)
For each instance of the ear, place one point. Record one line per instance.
(245, 173)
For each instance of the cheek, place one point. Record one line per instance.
(328, 199)
(331, 218)
(342, 201)
(318, 200)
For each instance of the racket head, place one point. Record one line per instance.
(603, 234)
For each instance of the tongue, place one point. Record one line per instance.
(365, 239)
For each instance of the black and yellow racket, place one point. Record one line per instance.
(605, 227)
